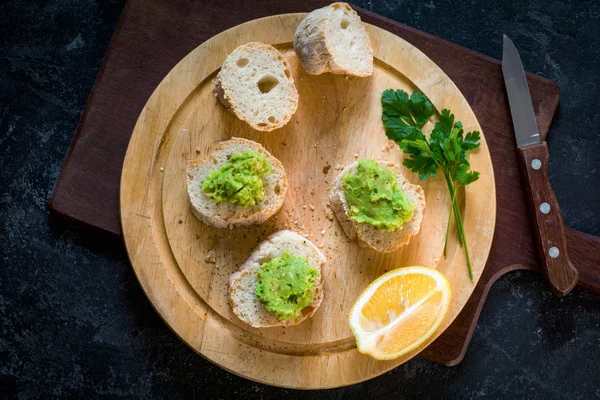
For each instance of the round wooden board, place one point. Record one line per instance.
(338, 120)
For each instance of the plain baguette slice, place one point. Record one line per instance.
(368, 235)
(334, 39)
(255, 83)
(223, 214)
(242, 285)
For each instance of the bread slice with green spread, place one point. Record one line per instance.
(226, 198)
(255, 83)
(243, 297)
(334, 39)
(368, 235)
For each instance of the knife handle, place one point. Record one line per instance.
(549, 228)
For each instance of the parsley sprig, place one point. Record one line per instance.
(446, 150)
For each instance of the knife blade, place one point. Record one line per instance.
(548, 225)
(519, 98)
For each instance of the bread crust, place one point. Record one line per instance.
(369, 236)
(224, 215)
(274, 246)
(316, 52)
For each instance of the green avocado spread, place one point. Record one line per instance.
(375, 197)
(286, 285)
(239, 181)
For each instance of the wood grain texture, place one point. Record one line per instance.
(88, 186)
(548, 225)
(584, 251)
(338, 120)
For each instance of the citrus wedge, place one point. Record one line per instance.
(399, 311)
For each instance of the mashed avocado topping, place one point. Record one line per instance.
(239, 181)
(375, 197)
(286, 285)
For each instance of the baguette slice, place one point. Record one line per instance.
(368, 235)
(255, 83)
(242, 284)
(223, 214)
(333, 39)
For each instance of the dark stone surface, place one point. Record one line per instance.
(74, 322)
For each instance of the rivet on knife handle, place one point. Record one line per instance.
(547, 220)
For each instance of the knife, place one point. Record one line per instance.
(533, 153)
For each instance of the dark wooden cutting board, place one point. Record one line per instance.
(153, 35)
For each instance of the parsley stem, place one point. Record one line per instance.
(462, 238)
(449, 222)
(461, 230)
(448, 231)
(459, 224)
(410, 121)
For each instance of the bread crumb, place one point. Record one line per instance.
(322, 245)
(312, 208)
(337, 166)
(304, 207)
(355, 155)
(197, 149)
(388, 145)
(322, 231)
(329, 212)
(161, 169)
(210, 257)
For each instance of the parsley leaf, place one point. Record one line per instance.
(421, 160)
(465, 177)
(404, 116)
(471, 140)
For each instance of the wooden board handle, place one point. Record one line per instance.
(548, 225)
(584, 251)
